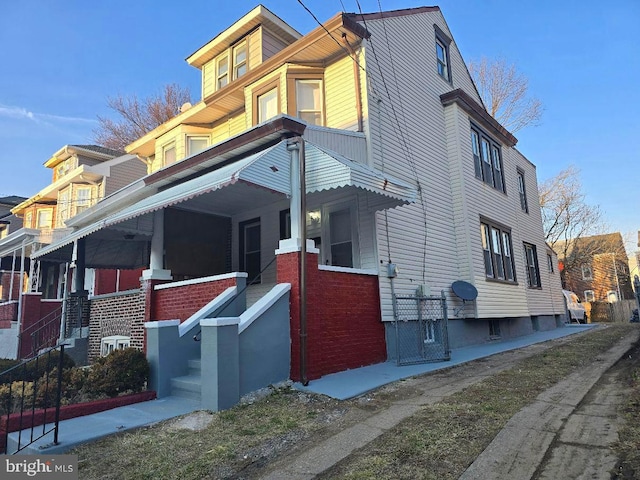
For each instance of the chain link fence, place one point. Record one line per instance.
(421, 329)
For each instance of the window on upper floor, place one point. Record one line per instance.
(487, 159)
(587, 274)
(239, 60)
(28, 220)
(196, 143)
(531, 263)
(83, 198)
(267, 104)
(63, 207)
(169, 154)
(589, 296)
(497, 252)
(309, 101)
(522, 190)
(4, 230)
(222, 71)
(44, 218)
(442, 54)
(550, 263)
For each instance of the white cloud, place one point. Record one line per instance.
(21, 113)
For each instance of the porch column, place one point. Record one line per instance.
(156, 269)
(78, 284)
(21, 292)
(13, 271)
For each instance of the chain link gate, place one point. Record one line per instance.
(421, 329)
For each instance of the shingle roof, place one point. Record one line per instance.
(99, 149)
(12, 200)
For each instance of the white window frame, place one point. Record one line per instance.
(64, 207)
(587, 272)
(28, 220)
(262, 116)
(442, 62)
(222, 78)
(612, 296)
(113, 343)
(82, 204)
(244, 63)
(165, 149)
(589, 296)
(319, 110)
(325, 247)
(196, 137)
(38, 214)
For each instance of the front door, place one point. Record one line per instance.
(250, 249)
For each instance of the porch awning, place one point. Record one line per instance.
(269, 170)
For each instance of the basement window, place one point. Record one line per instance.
(112, 343)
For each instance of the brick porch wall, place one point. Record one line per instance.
(184, 299)
(5, 286)
(106, 280)
(344, 325)
(116, 314)
(34, 309)
(8, 313)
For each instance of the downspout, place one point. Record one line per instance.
(356, 75)
(303, 267)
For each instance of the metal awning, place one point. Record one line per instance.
(268, 170)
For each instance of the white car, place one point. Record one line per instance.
(576, 311)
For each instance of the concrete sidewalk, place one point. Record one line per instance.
(341, 386)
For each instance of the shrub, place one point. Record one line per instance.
(119, 372)
(32, 370)
(12, 403)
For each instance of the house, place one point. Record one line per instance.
(596, 268)
(81, 176)
(410, 187)
(8, 223)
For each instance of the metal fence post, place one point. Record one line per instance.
(58, 394)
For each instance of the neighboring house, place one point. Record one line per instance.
(81, 176)
(410, 186)
(9, 223)
(596, 268)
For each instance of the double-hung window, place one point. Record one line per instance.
(239, 60)
(531, 263)
(83, 199)
(487, 159)
(222, 71)
(587, 274)
(309, 101)
(443, 63)
(522, 190)
(169, 154)
(497, 252)
(267, 105)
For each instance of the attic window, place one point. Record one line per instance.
(442, 54)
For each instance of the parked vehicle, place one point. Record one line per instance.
(576, 311)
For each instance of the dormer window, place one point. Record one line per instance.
(222, 72)
(267, 105)
(309, 101)
(239, 60)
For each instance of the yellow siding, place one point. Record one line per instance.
(208, 75)
(340, 100)
(255, 48)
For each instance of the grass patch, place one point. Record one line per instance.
(442, 440)
(628, 445)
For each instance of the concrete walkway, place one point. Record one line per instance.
(531, 430)
(341, 385)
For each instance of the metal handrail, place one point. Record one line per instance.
(230, 301)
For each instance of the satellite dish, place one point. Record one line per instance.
(464, 290)
(185, 106)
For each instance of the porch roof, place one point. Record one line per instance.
(267, 170)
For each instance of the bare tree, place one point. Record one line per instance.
(504, 92)
(567, 218)
(138, 117)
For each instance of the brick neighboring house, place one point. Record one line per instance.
(596, 268)
(81, 176)
(409, 188)
(9, 223)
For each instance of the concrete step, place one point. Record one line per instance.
(188, 386)
(194, 366)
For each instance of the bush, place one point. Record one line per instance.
(120, 371)
(14, 402)
(33, 370)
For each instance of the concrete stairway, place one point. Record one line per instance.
(188, 386)
(256, 292)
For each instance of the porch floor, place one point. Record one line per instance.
(343, 385)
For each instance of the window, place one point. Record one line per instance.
(239, 60)
(222, 71)
(169, 154)
(4, 230)
(550, 263)
(309, 101)
(522, 191)
(340, 240)
(494, 328)
(531, 263)
(196, 144)
(43, 219)
(63, 208)
(28, 220)
(589, 296)
(612, 296)
(267, 105)
(487, 160)
(83, 199)
(285, 224)
(250, 249)
(443, 64)
(497, 252)
(586, 272)
(112, 343)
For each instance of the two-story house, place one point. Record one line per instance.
(9, 223)
(409, 186)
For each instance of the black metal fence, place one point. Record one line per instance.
(421, 331)
(30, 399)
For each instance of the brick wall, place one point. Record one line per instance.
(180, 302)
(108, 281)
(36, 312)
(5, 286)
(116, 314)
(8, 313)
(344, 326)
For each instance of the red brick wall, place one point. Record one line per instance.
(344, 327)
(34, 309)
(8, 313)
(119, 314)
(179, 303)
(106, 280)
(5, 286)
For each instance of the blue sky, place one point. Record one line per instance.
(59, 61)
